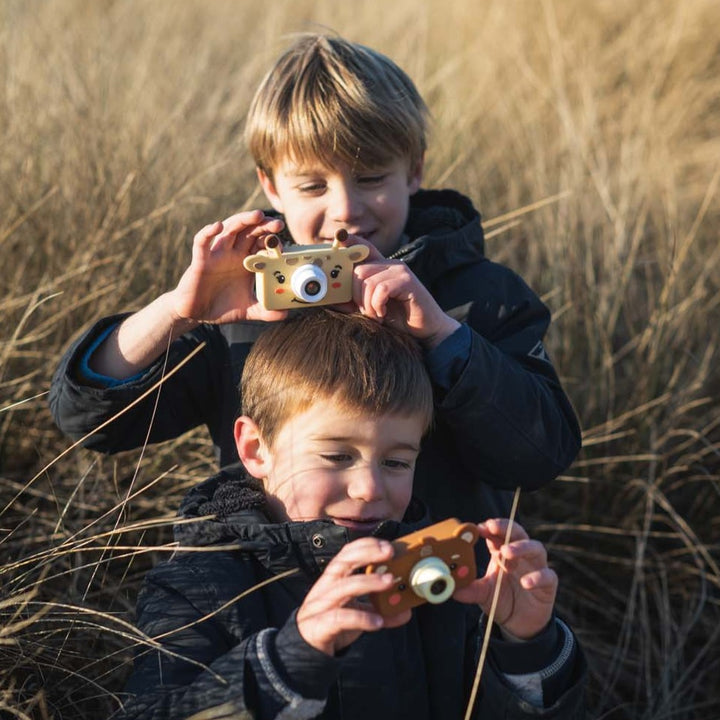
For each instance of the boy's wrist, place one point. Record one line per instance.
(179, 323)
(512, 638)
(445, 328)
(518, 655)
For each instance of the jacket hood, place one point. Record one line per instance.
(230, 508)
(444, 234)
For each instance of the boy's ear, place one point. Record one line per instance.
(251, 448)
(416, 175)
(268, 187)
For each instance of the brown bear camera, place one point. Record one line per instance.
(428, 566)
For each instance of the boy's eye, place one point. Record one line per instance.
(371, 179)
(398, 464)
(311, 188)
(336, 457)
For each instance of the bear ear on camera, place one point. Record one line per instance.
(357, 253)
(467, 532)
(254, 263)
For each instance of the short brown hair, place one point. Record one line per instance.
(327, 99)
(320, 353)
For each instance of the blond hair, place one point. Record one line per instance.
(327, 99)
(358, 363)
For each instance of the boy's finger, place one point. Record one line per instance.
(378, 299)
(204, 237)
(254, 220)
(526, 550)
(357, 554)
(497, 527)
(246, 218)
(338, 593)
(257, 311)
(393, 621)
(540, 580)
(478, 592)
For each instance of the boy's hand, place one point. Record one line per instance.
(388, 291)
(216, 287)
(332, 616)
(528, 588)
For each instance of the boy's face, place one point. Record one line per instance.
(317, 200)
(325, 463)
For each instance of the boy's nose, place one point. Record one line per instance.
(345, 204)
(366, 484)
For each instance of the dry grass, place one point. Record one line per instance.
(120, 129)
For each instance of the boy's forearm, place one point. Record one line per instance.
(139, 340)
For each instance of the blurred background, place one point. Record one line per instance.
(588, 134)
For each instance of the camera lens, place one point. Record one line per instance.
(431, 580)
(438, 587)
(309, 283)
(312, 287)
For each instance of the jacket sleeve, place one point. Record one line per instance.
(503, 401)
(187, 399)
(542, 679)
(197, 667)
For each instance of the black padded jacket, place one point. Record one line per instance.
(224, 652)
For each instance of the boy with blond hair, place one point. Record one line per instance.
(337, 131)
(269, 617)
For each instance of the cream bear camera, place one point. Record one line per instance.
(428, 566)
(303, 275)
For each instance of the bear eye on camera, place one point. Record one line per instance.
(335, 272)
(279, 277)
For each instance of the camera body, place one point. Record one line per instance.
(428, 566)
(304, 275)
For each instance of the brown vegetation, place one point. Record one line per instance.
(589, 135)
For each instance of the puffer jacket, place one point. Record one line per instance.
(217, 648)
(504, 421)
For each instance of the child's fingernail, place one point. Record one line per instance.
(387, 577)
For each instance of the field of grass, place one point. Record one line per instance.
(589, 135)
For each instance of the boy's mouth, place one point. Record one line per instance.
(358, 524)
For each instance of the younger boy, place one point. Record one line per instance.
(337, 132)
(269, 618)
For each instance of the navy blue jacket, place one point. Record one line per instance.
(502, 417)
(224, 652)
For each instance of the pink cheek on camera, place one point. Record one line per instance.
(279, 291)
(337, 285)
(462, 571)
(394, 599)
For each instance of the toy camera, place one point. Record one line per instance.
(428, 566)
(304, 274)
